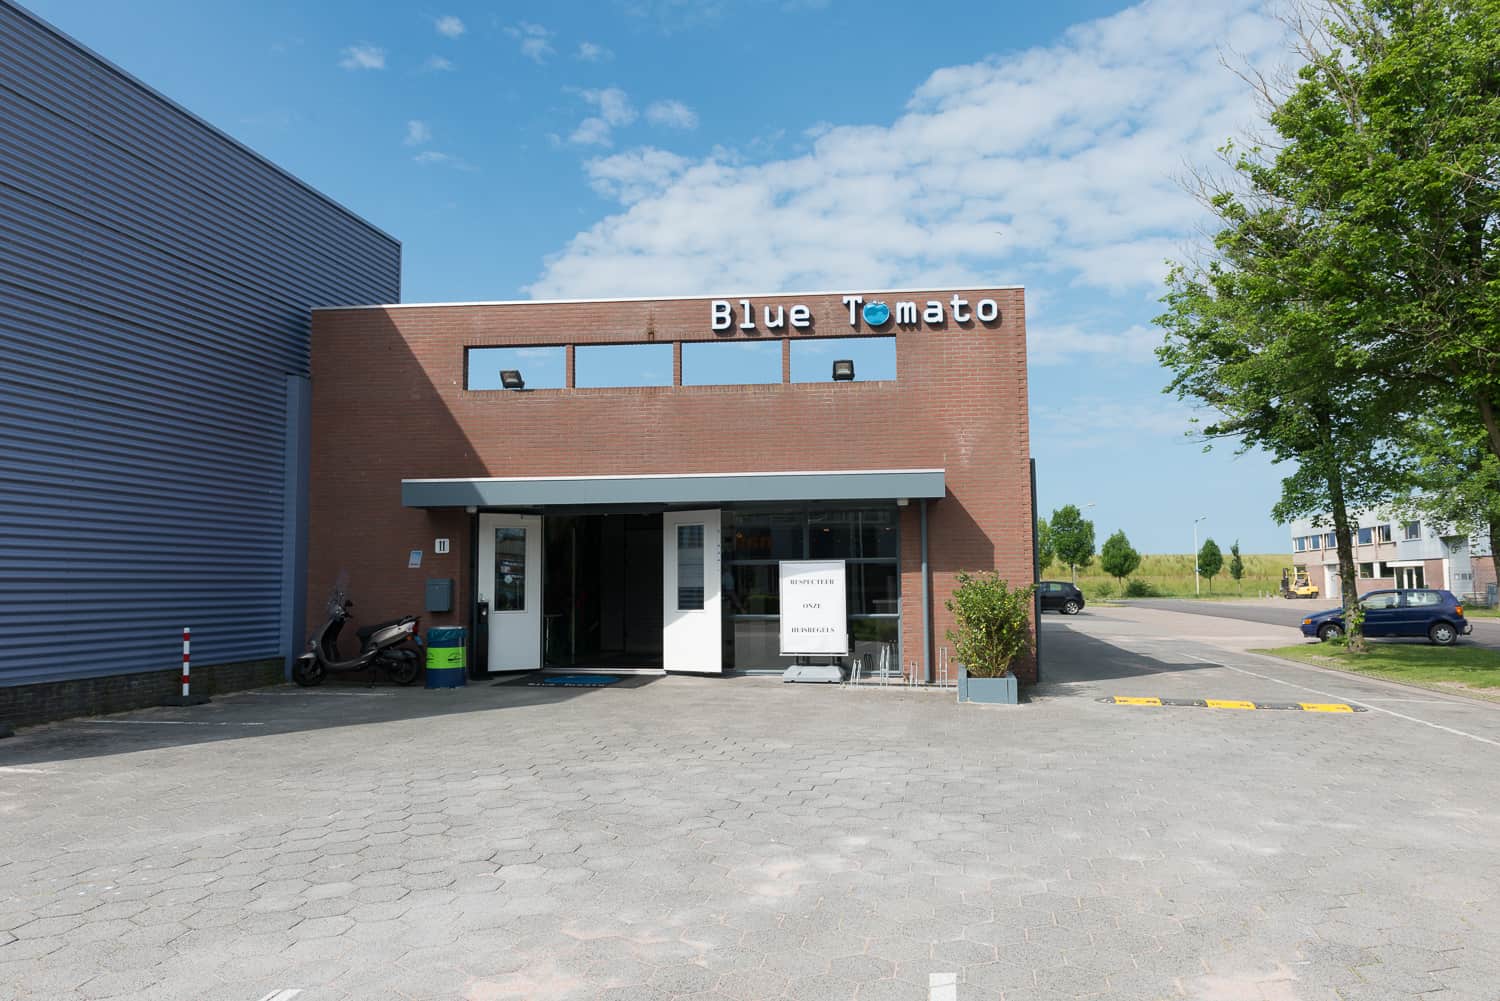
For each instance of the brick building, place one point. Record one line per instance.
(1392, 551)
(630, 507)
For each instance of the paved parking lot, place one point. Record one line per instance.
(739, 838)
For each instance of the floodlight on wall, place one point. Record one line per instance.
(510, 378)
(843, 370)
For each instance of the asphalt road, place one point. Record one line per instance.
(1289, 613)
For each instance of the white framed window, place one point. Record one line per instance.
(1383, 533)
(1413, 530)
(1330, 541)
(1300, 543)
(1366, 571)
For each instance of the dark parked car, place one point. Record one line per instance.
(1060, 596)
(1438, 615)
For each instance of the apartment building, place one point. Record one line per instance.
(1392, 551)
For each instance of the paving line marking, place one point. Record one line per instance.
(942, 987)
(14, 770)
(161, 722)
(1377, 709)
(285, 994)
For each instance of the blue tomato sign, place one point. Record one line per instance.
(876, 313)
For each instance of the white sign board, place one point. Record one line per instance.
(814, 617)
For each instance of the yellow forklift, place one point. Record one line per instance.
(1295, 583)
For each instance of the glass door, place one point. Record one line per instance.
(510, 580)
(692, 629)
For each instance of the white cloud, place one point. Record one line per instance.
(1068, 343)
(449, 26)
(536, 41)
(591, 52)
(613, 104)
(363, 57)
(437, 64)
(591, 132)
(630, 177)
(1052, 166)
(672, 115)
(612, 109)
(432, 158)
(417, 133)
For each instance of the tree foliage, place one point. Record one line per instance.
(1118, 557)
(1236, 564)
(994, 623)
(1210, 561)
(1072, 537)
(1046, 552)
(1354, 280)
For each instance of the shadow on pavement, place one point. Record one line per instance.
(1072, 662)
(285, 709)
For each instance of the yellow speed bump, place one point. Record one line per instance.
(1240, 704)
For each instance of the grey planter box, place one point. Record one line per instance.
(994, 691)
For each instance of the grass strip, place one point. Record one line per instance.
(1463, 669)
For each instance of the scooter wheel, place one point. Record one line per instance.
(404, 666)
(307, 673)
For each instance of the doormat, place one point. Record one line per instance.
(577, 680)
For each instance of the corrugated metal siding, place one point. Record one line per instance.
(155, 283)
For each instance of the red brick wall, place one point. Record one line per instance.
(389, 403)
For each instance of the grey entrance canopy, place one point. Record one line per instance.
(674, 488)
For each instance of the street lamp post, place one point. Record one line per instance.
(1197, 582)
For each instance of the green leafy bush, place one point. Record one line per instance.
(1137, 588)
(1100, 591)
(994, 623)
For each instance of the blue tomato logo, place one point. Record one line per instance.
(876, 313)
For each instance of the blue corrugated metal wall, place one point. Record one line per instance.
(155, 286)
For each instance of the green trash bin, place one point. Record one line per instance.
(445, 657)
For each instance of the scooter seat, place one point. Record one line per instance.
(365, 632)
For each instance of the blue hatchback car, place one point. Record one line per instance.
(1438, 615)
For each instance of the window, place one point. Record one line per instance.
(1300, 543)
(867, 539)
(1366, 536)
(1418, 598)
(510, 569)
(1383, 533)
(1381, 599)
(608, 366)
(813, 357)
(1366, 570)
(731, 363)
(689, 568)
(1413, 530)
(1330, 541)
(540, 368)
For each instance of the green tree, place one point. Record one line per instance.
(1072, 538)
(1236, 564)
(1210, 561)
(1045, 551)
(1396, 116)
(1118, 557)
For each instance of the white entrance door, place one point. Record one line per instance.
(692, 629)
(510, 580)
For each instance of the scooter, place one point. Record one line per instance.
(392, 646)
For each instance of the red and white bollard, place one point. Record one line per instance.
(187, 669)
(186, 698)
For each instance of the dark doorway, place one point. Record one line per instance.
(602, 605)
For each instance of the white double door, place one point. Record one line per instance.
(510, 583)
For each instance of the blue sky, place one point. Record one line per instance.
(640, 147)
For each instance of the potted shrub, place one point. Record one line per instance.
(994, 628)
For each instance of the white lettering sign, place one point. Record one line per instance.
(872, 314)
(814, 618)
